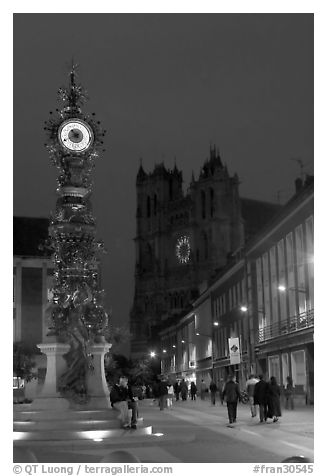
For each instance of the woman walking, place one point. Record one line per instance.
(273, 399)
(289, 390)
(193, 391)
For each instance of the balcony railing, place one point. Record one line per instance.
(288, 326)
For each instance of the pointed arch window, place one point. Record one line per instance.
(155, 204)
(212, 198)
(148, 207)
(205, 245)
(170, 189)
(203, 204)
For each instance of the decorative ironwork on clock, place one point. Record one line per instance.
(183, 249)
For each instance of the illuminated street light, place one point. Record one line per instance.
(244, 308)
(197, 333)
(183, 341)
(174, 346)
(216, 323)
(283, 288)
(152, 354)
(164, 351)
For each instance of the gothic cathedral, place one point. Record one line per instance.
(182, 241)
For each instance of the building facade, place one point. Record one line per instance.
(264, 302)
(32, 283)
(281, 271)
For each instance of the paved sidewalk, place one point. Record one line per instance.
(198, 432)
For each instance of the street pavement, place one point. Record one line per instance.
(196, 432)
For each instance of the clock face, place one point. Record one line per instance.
(75, 135)
(183, 249)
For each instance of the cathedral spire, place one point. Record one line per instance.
(140, 174)
(175, 165)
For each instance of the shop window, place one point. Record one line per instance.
(285, 368)
(298, 370)
(14, 291)
(290, 272)
(18, 382)
(282, 278)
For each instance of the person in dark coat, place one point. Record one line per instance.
(213, 390)
(184, 390)
(177, 390)
(155, 391)
(289, 392)
(273, 400)
(193, 391)
(122, 400)
(232, 394)
(203, 389)
(260, 397)
(163, 394)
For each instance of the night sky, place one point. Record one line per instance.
(165, 86)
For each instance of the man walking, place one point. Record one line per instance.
(232, 394)
(213, 390)
(261, 397)
(203, 389)
(250, 384)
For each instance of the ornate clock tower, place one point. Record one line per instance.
(78, 321)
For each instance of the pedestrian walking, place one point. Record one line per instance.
(155, 391)
(289, 393)
(184, 390)
(170, 396)
(163, 394)
(250, 385)
(148, 391)
(273, 400)
(177, 390)
(260, 397)
(232, 394)
(203, 389)
(213, 390)
(193, 391)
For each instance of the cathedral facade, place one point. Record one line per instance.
(182, 241)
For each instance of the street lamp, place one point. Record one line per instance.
(245, 309)
(283, 288)
(152, 354)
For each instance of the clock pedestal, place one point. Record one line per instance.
(49, 396)
(98, 392)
